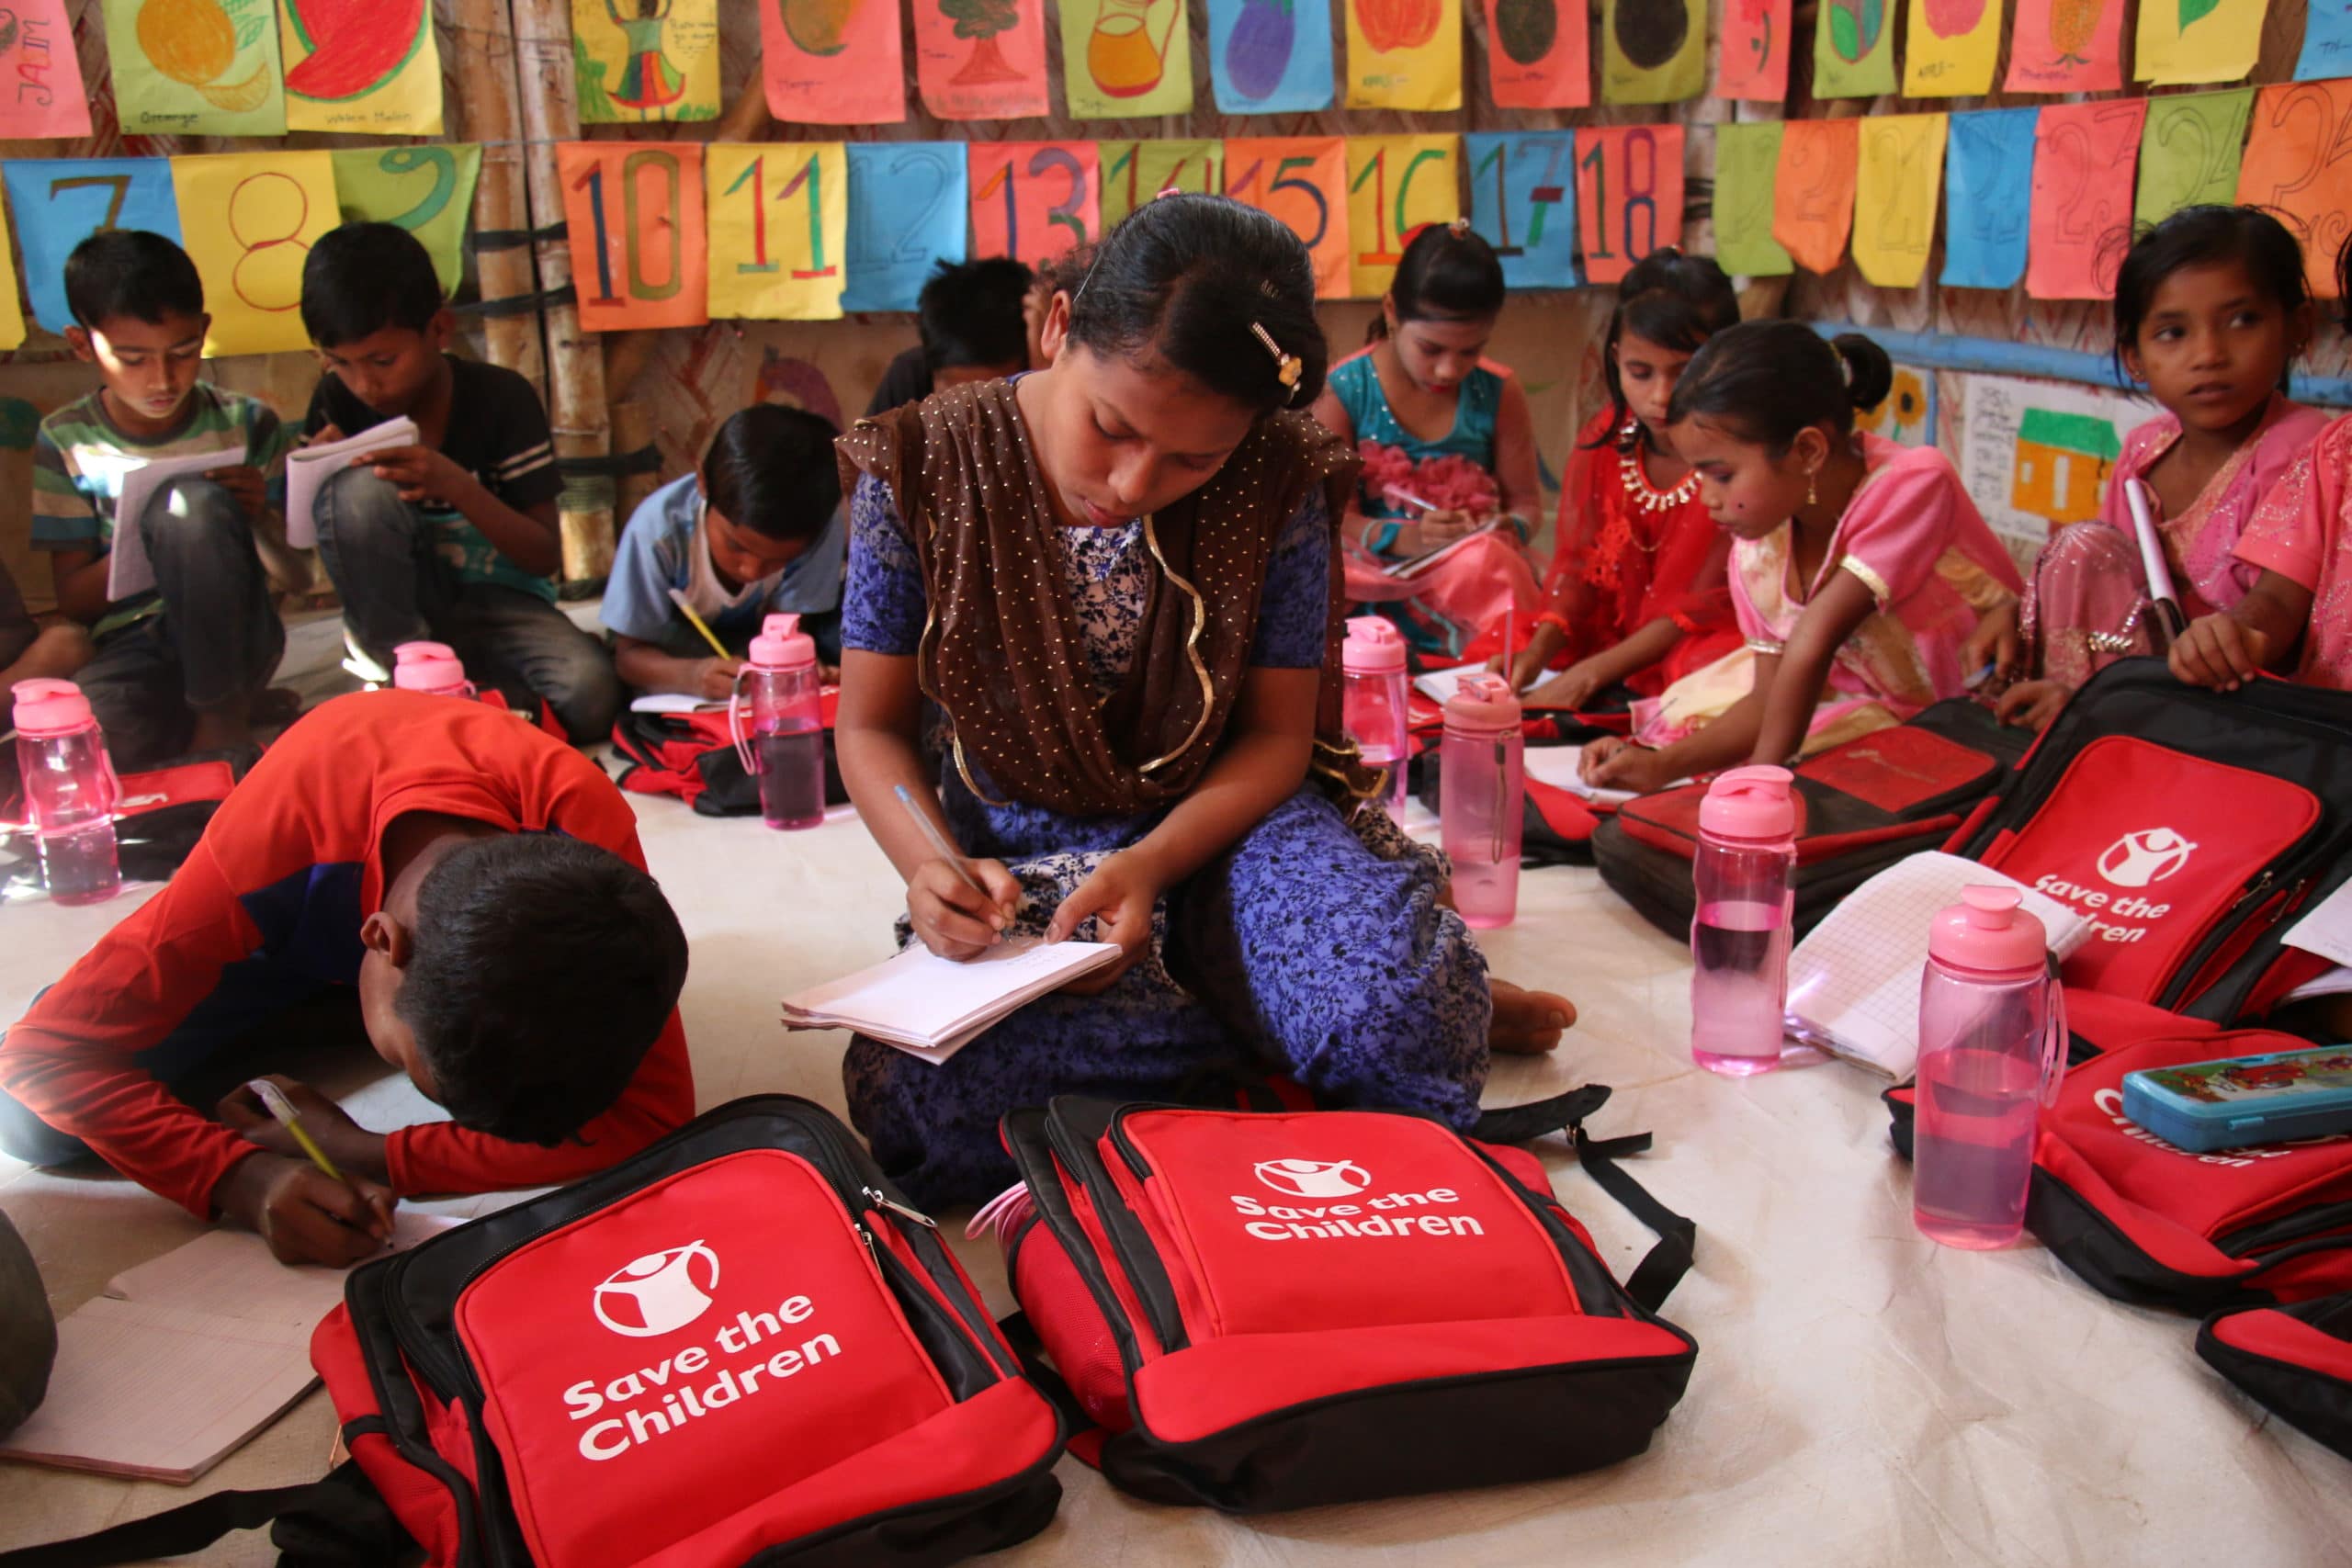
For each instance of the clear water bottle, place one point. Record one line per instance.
(432, 668)
(1991, 1020)
(1376, 701)
(785, 748)
(1739, 923)
(1481, 787)
(70, 790)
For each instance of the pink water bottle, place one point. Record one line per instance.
(1992, 1020)
(1739, 923)
(786, 747)
(1481, 785)
(1376, 701)
(70, 790)
(430, 668)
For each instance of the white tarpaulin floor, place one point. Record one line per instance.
(1860, 1396)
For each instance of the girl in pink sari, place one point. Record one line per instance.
(2211, 311)
(2300, 544)
(1858, 568)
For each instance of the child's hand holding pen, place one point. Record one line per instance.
(960, 907)
(294, 1194)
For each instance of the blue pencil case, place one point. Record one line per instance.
(2240, 1101)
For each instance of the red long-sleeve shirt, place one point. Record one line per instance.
(288, 871)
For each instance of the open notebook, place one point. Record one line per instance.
(1854, 980)
(1560, 766)
(311, 467)
(129, 571)
(183, 1359)
(931, 1007)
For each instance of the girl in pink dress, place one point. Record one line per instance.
(2211, 311)
(2298, 612)
(1858, 568)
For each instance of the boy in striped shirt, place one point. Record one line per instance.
(179, 667)
(453, 539)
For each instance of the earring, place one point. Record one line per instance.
(1813, 490)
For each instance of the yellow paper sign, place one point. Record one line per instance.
(1396, 187)
(2197, 40)
(1404, 54)
(367, 68)
(1951, 47)
(1901, 175)
(248, 220)
(779, 227)
(1135, 171)
(12, 309)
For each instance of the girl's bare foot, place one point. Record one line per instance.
(1527, 1024)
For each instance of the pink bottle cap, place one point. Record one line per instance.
(429, 667)
(1374, 647)
(781, 645)
(51, 707)
(1483, 701)
(1988, 930)
(1749, 803)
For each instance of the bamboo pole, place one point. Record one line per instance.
(575, 360)
(482, 37)
(626, 354)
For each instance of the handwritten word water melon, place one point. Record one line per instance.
(1390, 25)
(356, 45)
(1257, 52)
(818, 26)
(1526, 28)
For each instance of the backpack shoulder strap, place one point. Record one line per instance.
(337, 1522)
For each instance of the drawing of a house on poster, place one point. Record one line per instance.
(2062, 464)
(2034, 455)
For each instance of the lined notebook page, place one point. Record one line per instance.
(232, 1274)
(308, 469)
(1854, 980)
(933, 1006)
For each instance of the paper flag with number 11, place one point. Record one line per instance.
(779, 229)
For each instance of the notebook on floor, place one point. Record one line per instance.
(931, 1007)
(1854, 980)
(183, 1359)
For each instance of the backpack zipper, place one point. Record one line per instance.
(1599, 1297)
(2268, 1235)
(1166, 1322)
(2313, 851)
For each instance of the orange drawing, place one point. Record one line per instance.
(1390, 25)
(195, 42)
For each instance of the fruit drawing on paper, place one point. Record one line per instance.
(1391, 25)
(2197, 11)
(818, 26)
(1526, 28)
(352, 47)
(1257, 52)
(1954, 18)
(983, 21)
(196, 42)
(1650, 33)
(1855, 27)
(1756, 17)
(2072, 25)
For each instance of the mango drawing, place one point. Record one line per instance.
(353, 46)
(818, 26)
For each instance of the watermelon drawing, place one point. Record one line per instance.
(356, 46)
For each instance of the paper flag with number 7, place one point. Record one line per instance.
(2084, 155)
(2294, 165)
(779, 229)
(61, 202)
(1523, 202)
(1899, 173)
(1629, 195)
(1813, 199)
(638, 245)
(1033, 200)
(426, 190)
(250, 221)
(1303, 181)
(1397, 185)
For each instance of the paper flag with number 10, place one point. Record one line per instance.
(639, 240)
(1397, 185)
(779, 229)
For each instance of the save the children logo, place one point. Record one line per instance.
(1313, 1178)
(658, 1293)
(2150, 855)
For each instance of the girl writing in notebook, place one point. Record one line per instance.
(1858, 568)
(2210, 312)
(1448, 444)
(1636, 597)
(1110, 584)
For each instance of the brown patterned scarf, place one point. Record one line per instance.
(1001, 650)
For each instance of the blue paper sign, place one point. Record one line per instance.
(1523, 202)
(1988, 192)
(58, 202)
(906, 214)
(2327, 41)
(1271, 56)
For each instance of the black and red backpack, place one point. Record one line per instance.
(693, 757)
(1257, 1311)
(2295, 1360)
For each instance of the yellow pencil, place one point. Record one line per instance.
(274, 1101)
(717, 647)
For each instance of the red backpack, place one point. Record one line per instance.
(737, 1346)
(2295, 1360)
(2148, 1223)
(1258, 1310)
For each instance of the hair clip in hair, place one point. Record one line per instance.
(1288, 367)
(1459, 227)
(1167, 191)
